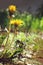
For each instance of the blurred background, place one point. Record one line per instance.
(27, 5)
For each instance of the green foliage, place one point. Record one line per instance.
(32, 42)
(2, 37)
(35, 24)
(41, 24)
(30, 22)
(4, 18)
(10, 45)
(27, 18)
(21, 36)
(13, 42)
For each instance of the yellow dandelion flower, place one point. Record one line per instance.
(12, 8)
(16, 22)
